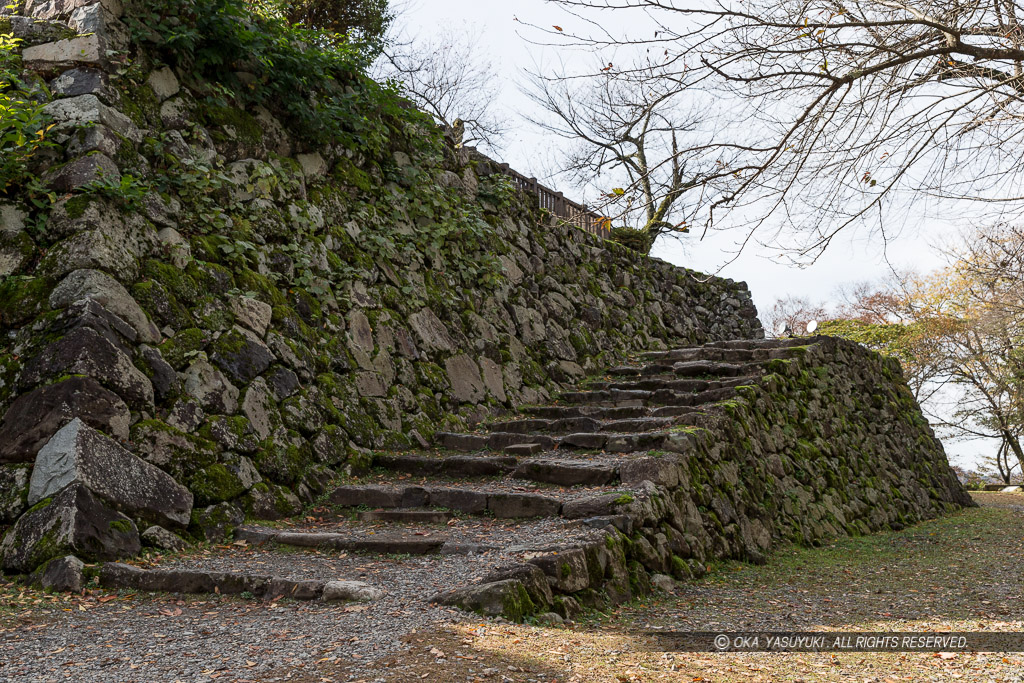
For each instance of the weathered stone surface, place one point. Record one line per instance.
(463, 442)
(33, 31)
(74, 112)
(241, 355)
(163, 377)
(372, 496)
(464, 500)
(296, 590)
(83, 81)
(63, 574)
(62, 9)
(663, 471)
(567, 569)
(13, 491)
(313, 165)
(565, 473)
(211, 388)
(464, 376)
(522, 505)
(594, 506)
(493, 378)
(12, 220)
(507, 598)
(252, 313)
(432, 333)
(14, 253)
(260, 409)
(350, 591)
(72, 522)
(79, 454)
(36, 416)
(164, 83)
(215, 523)
(664, 583)
(85, 351)
(93, 284)
(159, 537)
(270, 501)
(531, 576)
(64, 53)
(83, 171)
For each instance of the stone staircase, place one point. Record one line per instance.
(581, 501)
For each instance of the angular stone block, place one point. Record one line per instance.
(211, 388)
(74, 112)
(252, 313)
(79, 454)
(73, 522)
(159, 537)
(85, 351)
(111, 294)
(566, 568)
(467, 384)
(80, 172)
(350, 591)
(36, 416)
(63, 574)
(241, 355)
(55, 56)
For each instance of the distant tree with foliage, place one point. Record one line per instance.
(361, 21)
(957, 332)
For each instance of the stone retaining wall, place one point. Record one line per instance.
(250, 315)
(827, 444)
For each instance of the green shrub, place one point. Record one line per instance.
(317, 84)
(23, 125)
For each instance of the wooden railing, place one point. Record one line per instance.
(555, 202)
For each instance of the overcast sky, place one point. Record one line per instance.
(857, 256)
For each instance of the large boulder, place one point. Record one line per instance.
(86, 351)
(74, 522)
(36, 416)
(79, 454)
(111, 294)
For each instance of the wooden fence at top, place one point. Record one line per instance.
(555, 202)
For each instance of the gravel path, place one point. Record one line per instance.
(111, 637)
(961, 572)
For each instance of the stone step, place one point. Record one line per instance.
(573, 425)
(494, 441)
(567, 472)
(469, 500)
(640, 424)
(734, 351)
(563, 425)
(615, 442)
(680, 385)
(706, 368)
(596, 412)
(395, 544)
(649, 398)
(451, 466)
(645, 370)
(114, 575)
(408, 516)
